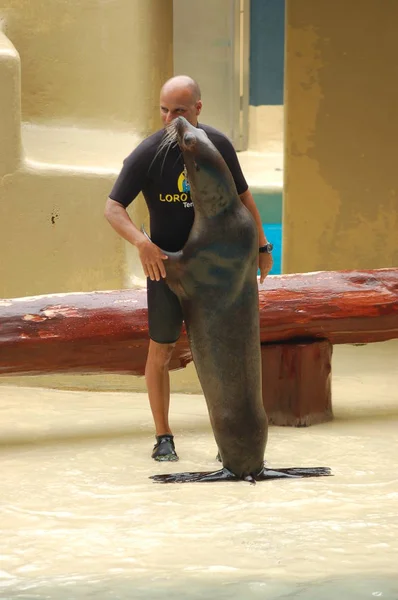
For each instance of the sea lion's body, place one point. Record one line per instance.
(218, 291)
(215, 278)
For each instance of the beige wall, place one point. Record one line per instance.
(94, 63)
(266, 129)
(217, 37)
(341, 131)
(10, 102)
(89, 64)
(183, 381)
(91, 76)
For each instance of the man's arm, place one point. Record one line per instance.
(118, 217)
(150, 255)
(265, 260)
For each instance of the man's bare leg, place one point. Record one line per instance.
(158, 386)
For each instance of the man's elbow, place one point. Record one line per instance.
(246, 196)
(110, 208)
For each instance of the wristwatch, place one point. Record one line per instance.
(267, 248)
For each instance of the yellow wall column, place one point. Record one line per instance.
(91, 77)
(10, 107)
(341, 132)
(96, 63)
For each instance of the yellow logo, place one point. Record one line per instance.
(183, 184)
(183, 188)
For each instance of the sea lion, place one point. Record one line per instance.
(215, 279)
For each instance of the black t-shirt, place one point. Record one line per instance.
(161, 179)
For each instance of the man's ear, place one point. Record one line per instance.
(198, 107)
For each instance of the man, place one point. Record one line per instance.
(159, 174)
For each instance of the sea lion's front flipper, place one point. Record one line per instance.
(173, 266)
(204, 476)
(293, 473)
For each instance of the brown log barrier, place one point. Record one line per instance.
(107, 331)
(297, 382)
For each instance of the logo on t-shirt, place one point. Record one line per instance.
(184, 189)
(183, 183)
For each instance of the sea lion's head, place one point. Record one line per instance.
(211, 183)
(194, 143)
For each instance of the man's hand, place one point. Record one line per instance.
(152, 259)
(265, 262)
(151, 256)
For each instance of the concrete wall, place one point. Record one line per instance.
(89, 62)
(341, 94)
(91, 75)
(10, 103)
(216, 35)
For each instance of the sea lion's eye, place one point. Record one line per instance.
(189, 138)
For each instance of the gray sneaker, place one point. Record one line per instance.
(164, 448)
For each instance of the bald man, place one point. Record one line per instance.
(161, 179)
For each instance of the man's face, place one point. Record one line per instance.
(178, 102)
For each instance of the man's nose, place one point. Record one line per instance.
(169, 117)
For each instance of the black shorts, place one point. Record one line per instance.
(164, 313)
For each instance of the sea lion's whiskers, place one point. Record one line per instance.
(170, 134)
(165, 155)
(177, 159)
(169, 141)
(161, 148)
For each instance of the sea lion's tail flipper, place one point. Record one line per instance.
(226, 475)
(293, 473)
(221, 475)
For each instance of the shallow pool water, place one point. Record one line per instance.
(79, 517)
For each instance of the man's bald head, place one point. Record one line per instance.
(182, 83)
(180, 96)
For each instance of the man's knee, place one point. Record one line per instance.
(159, 355)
